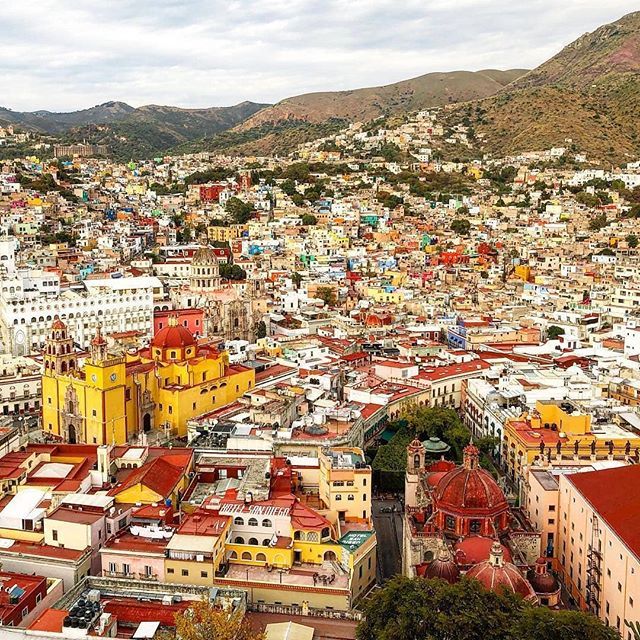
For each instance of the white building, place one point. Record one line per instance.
(29, 303)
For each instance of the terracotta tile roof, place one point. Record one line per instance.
(159, 475)
(49, 620)
(612, 494)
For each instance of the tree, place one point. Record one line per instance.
(598, 222)
(588, 199)
(540, 623)
(261, 329)
(554, 331)
(632, 240)
(439, 422)
(232, 272)
(327, 295)
(309, 220)
(204, 621)
(296, 278)
(390, 462)
(416, 609)
(289, 187)
(239, 210)
(461, 226)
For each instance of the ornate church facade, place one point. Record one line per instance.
(458, 522)
(231, 310)
(114, 399)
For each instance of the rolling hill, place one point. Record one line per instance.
(587, 93)
(131, 132)
(432, 89)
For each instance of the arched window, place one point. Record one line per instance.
(265, 542)
(312, 536)
(297, 535)
(233, 556)
(266, 522)
(261, 557)
(325, 532)
(239, 540)
(253, 541)
(253, 522)
(238, 520)
(246, 555)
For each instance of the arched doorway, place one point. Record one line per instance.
(330, 556)
(72, 434)
(146, 422)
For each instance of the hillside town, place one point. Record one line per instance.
(278, 382)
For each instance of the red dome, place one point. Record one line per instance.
(58, 324)
(470, 490)
(173, 337)
(475, 549)
(495, 574)
(541, 580)
(443, 567)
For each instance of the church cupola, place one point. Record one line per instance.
(471, 457)
(205, 270)
(173, 342)
(59, 352)
(98, 348)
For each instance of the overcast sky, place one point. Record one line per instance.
(65, 54)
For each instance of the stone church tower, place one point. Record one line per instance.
(205, 270)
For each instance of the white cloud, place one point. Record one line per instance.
(61, 55)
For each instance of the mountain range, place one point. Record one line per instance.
(588, 93)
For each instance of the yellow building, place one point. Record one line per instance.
(224, 234)
(559, 428)
(345, 484)
(111, 399)
(302, 536)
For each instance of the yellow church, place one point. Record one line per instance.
(113, 399)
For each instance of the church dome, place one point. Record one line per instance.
(204, 257)
(495, 574)
(541, 580)
(470, 490)
(443, 567)
(58, 324)
(173, 336)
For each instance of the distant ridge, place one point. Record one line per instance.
(588, 93)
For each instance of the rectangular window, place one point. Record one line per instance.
(54, 534)
(170, 570)
(112, 567)
(170, 409)
(185, 572)
(203, 574)
(126, 569)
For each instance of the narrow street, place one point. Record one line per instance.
(388, 525)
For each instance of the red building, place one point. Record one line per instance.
(211, 192)
(19, 596)
(192, 319)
